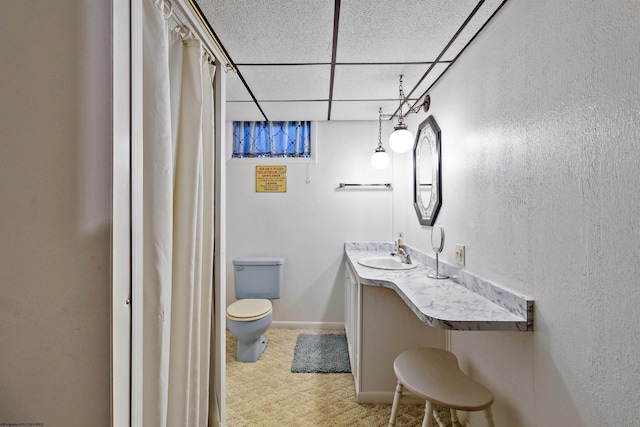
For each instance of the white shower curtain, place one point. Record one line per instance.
(178, 225)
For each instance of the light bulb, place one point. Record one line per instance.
(380, 159)
(401, 139)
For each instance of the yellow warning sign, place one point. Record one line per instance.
(271, 179)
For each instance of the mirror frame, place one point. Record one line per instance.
(427, 214)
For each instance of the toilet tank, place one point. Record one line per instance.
(258, 277)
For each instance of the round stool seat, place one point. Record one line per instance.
(248, 310)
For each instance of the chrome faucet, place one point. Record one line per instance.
(404, 256)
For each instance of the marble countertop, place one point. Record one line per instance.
(467, 303)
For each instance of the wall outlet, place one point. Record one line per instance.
(460, 255)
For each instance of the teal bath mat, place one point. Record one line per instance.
(321, 353)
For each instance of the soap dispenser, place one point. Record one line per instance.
(397, 243)
(400, 242)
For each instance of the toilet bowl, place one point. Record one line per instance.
(247, 320)
(256, 281)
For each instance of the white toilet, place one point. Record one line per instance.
(256, 281)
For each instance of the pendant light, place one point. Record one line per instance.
(401, 139)
(380, 158)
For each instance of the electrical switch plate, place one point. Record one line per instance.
(460, 255)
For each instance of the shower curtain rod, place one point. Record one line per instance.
(230, 65)
(189, 17)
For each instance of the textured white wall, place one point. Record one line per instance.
(309, 224)
(55, 142)
(540, 130)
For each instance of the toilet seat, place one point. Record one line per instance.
(247, 310)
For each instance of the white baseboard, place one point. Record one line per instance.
(375, 397)
(306, 325)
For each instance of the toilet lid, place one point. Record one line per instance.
(246, 310)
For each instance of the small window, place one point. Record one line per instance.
(271, 139)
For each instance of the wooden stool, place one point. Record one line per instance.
(434, 375)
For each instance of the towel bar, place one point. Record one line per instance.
(343, 185)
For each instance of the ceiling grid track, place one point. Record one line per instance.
(334, 52)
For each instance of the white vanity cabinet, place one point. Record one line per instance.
(379, 326)
(352, 318)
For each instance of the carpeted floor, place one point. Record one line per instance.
(266, 393)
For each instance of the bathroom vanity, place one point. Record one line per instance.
(379, 326)
(388, 311)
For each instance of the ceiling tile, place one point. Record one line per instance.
(361, 110)
(235, 89)
(299, 110)
(283, 31)
(398, 31)
(361, 82)
(243, 111)
(288, 82)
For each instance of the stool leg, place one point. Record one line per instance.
(396, 400)
(489, 416)
(428, 413)
(454, 418)
(438, 418)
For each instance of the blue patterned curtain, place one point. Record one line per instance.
(272, 139)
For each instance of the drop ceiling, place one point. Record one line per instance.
(338, 60)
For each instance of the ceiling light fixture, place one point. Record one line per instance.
(380, 158)
(401, 139)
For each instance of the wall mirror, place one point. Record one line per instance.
(427, 192)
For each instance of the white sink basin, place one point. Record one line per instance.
(385, 262)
